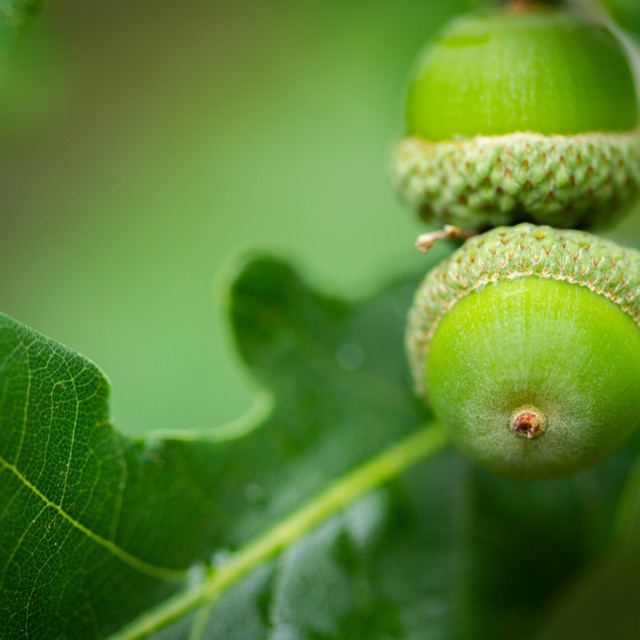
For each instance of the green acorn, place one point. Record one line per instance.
(520, 115)
(526, 344)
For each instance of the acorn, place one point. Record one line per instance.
(525, 113)
(526, 344)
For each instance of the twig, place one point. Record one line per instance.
(426, 240)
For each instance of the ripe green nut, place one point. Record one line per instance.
(526, 344)
(520, 115)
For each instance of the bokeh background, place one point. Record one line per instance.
(145, 145)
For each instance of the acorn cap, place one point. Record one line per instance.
(514, 116)
(531, 331)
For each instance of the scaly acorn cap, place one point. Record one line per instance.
(521, 116)
(526, 343)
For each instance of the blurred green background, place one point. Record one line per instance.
(145, 144)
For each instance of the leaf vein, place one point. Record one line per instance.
(136, 563)
(342, 492)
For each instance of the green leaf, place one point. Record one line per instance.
(604, 603)
(318, 516)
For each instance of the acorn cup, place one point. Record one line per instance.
(521, 115)
(526, 344)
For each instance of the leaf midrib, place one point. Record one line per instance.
(345, 490)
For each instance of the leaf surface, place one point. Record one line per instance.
(318, 516)
(603, 604)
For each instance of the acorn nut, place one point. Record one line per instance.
(521, 115)
(526, 344)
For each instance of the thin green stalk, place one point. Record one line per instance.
(384, 467)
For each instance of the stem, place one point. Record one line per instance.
(426, 240)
